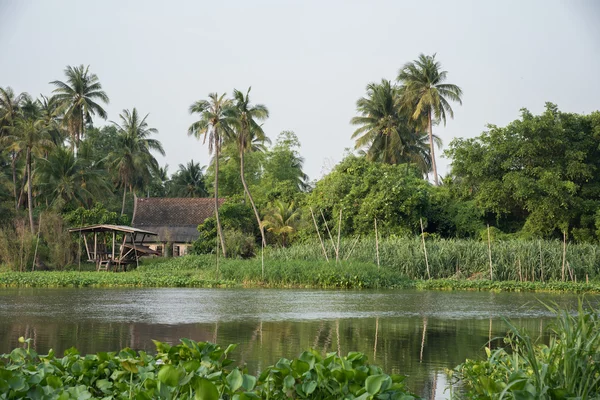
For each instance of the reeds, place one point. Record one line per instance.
(449, 258)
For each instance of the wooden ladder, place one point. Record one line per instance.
(103, 265)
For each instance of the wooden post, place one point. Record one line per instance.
(541, 263)
(330, 237)
(37, 242)
(337, 253)
(96, 249)
(376, 243)
(564, 257)
(113, 245)
(319, 235)
(352, 248)
(425, 248)
(490, 253)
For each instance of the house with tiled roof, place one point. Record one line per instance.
(175, 220)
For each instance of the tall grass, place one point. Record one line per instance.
(512, 260)
(567, 368)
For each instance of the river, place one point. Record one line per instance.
(416, 333)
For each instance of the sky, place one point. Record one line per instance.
(307, 61)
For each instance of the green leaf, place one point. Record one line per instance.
(168, 375)
(206, 390)
(288, 382)
(374, 382)
(309, 387)
(235, 380)
(249, 382)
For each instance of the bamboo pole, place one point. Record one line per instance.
(425, 248)
(337, 253)
(262, 265)
(377, 243)
(490, 253)
(352, 248)
(217, 260)
(519, 264)
(564, 257)
(541, 262)
(37, 242)
(319, 235)
(330, 236)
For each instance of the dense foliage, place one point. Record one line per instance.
(191, 370)
(536, 178)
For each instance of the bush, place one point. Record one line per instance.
(17, 245)
(239, 244)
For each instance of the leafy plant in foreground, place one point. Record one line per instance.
(198, 370)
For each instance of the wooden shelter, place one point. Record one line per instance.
(114, 247)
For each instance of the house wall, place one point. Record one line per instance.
(177, 249)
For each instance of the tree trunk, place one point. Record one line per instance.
(124, 194)
(219, 230)
(435, 174)
(29, 196)
(14, 173)
(260, 225)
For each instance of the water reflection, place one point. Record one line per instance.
(408, 332)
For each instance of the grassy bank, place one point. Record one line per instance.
(200, 271)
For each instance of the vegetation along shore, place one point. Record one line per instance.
(519, 204)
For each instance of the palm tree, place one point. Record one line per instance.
(386, 134)
(426, 93)
(78, 99)
(214, 123)
(189, 180)
(132, 158)
(29, 135)
(247, 134)
(10, 104)
(282, 220)
(66, 179)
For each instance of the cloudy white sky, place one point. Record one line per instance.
(308, 61)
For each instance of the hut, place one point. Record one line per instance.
(175, 221)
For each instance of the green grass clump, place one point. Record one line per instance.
(191, 370)
(567, 368)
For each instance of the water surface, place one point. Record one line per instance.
(418, 333)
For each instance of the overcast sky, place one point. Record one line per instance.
(307, 61)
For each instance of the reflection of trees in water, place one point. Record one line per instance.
(420, 347)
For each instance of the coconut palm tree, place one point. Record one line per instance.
(426, 93)
(282, 220)
(248, 135)
(386, 133)
(29, 135)
(214, 123)
(10, 104)
(65, 179)
(79, 99)
(132, 159)
(188, 181)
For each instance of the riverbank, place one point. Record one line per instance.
(201, 271)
